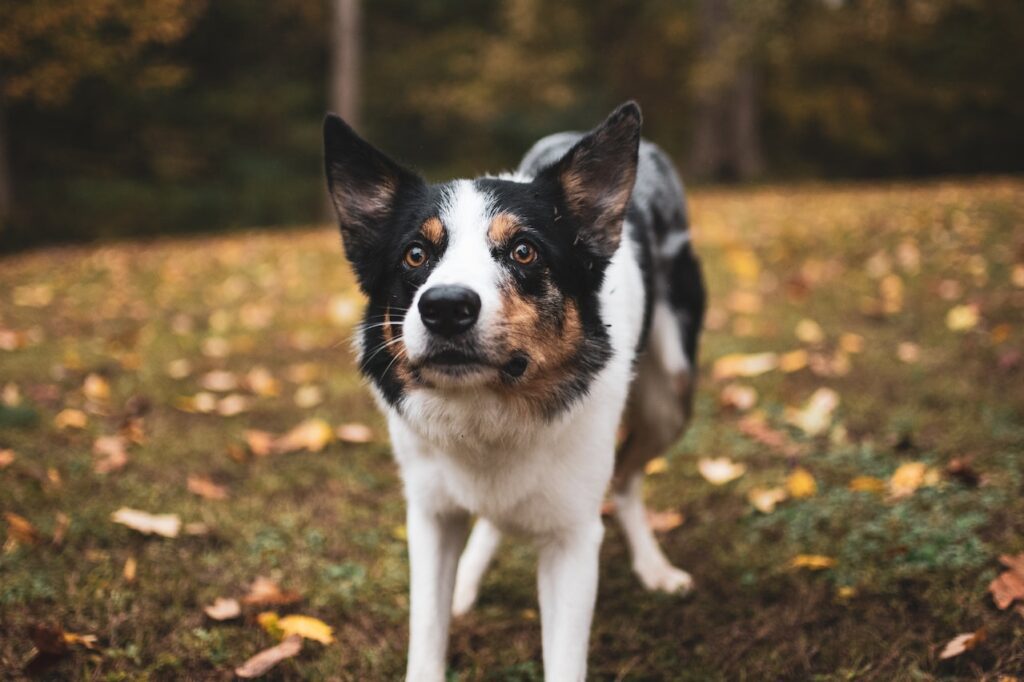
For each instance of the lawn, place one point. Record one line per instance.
(149, 375)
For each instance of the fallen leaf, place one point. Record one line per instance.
(741, 365)
(910, 476)
(21, 529)
(10, 396)
(1009, 585)
(265, 660)
(223, 609)
(7, 458)
(962, 643)
(744, 264)
(658, 465)
(814, 562)
(851, 343)
(793, 361)
(202, 402)
(662, 521)
(867, 484)
(801, 483)
(266, 592)
(312, 434)
(131, 568)
(232, 405)
(891, 291)
(1017, 276)
(721, 470)
(745, 302)
(197, 528)
(755, 426)
(60, 528)
(808, 331)
(908, 352)
(308, 396)
(261, 382)
(179, 369)
(111, 454)
(219, 381)
(962, 318)
(306, 627)
(205, 488)
(354, 432)
(96, 388)
(70, 418)
(816, 416)
(167, 525)
(260, 443)
(738, 397)
(765, 500)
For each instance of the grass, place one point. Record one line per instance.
(886, 263)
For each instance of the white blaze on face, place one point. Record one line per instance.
(467, 262)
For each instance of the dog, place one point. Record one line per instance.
(513, 323)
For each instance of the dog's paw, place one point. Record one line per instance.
(463, 599)
(664, 577)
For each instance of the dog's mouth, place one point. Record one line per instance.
(455, 363)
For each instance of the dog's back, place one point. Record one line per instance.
(657, 223)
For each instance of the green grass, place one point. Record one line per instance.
(910, 573)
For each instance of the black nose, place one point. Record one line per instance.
(449, 309)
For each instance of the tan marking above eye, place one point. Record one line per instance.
(433, 230)
(503, 227)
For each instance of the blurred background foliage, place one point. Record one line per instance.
(145, 117)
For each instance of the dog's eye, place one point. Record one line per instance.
(523, 252)
(415, 256)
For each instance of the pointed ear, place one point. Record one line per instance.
(364, 186)
(597, 176)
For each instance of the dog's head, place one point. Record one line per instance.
(489, 283)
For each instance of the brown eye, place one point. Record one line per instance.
(524, 253)
(415, 256)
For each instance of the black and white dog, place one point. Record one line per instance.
(513, 323)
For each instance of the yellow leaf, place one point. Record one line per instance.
(764, 500)
(268, 621)
(400, 533)
(306, 627)
(814, 562)
(744, 264)
(801, 483)
(867, 484)
(846, 592)
(721, 470)
(809, 331)
(658, 465)
(70, 419)
(96, 388)
(793, 361)
(816, 415)
(907, 478)
(741, 365)
(891, 290)
(962, 318)
(312, 434)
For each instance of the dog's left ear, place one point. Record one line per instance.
(597, 176)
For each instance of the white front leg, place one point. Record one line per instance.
(434, 545)
(567, 585)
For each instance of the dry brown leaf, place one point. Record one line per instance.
(265, 660)
(851, 343)
(261, 382)
(205, 488)
(720, 470)
(793, 361)
(756, 427)
(233, 405)
(7, 458)
(962, 643)
(21, 529)
(219, 381)
(111, 454)
(354, 432)
(167, 525)
(96, 388)
(131, 569)
(662, 521)
(223, 609)
(1008, 587)
(61, 524)
(266, 592)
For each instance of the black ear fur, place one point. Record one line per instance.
(364, 186)
(597, 175)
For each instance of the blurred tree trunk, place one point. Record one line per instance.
(6, 182)
(727, 143)
(343, 89)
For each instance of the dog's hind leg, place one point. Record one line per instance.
(483, 543)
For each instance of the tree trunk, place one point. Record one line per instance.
(707, 151)
(6, 182)
(343, 87)
(746, 136)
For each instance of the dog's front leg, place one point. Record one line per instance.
(435, 541)
(567, 586)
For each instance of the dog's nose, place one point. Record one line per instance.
(449, 309)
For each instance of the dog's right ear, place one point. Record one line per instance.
(365, 186)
